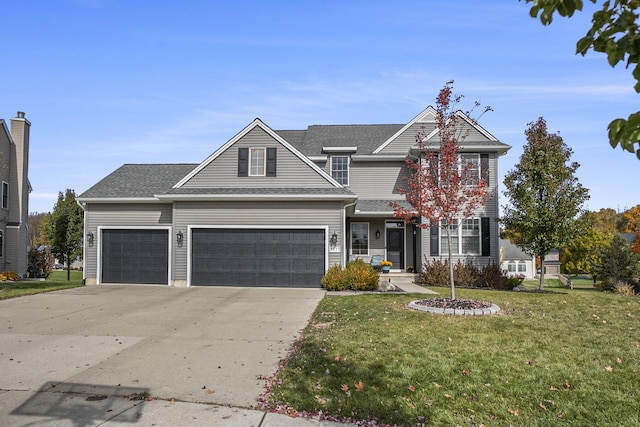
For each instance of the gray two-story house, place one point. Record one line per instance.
(14, 192)
(277, 208)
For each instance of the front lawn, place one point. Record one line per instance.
(547, 359)
(56, 281)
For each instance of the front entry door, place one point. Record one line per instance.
(395, 246)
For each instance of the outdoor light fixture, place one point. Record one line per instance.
(90, 238)
(377, 234)
(334, 239)
(179, 237)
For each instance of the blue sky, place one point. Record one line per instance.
(108, 82)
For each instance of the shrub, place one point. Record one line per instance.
(9, 276)
(491, 276)
(623, 288)
(361, 276)
(435, 273)
(465, 274)
(514, 281)
(357, 276)
(335, 279)
(40, 263)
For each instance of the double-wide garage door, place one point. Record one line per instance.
(135, 256)
(257, 257)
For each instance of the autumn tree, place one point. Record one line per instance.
(614, 32)
(582, 255)
(35, 237)
(64, 229)
(544, 196)
(442, 187)
(633, 226)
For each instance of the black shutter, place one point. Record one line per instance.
(486, 236)
(243, 162)
(434, 250)
(484, 168)
(271, 161)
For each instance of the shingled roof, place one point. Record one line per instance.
(366, 137)
(138, 181)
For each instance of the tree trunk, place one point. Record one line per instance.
(541, 285)
(451, 281)
(68, 267)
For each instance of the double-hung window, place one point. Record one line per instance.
(257, 161)
(340, 169)
(465, 237)
(359, 238)
(522, 267)
(470, 168)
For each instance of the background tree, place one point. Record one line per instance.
(618, 263)
(633, 226)
(582, 255)
(64, 229)
(614, 31)
(545, 197)
(441, 188)
(35, 238)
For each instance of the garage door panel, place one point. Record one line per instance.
(135, 256)
(260, 257)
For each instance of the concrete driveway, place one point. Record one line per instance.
(208, 345)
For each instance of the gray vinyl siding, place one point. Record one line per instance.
(120, 215)
(407, 139)
(376, 180)
(5, 149)
(254, 215)
(291, 170)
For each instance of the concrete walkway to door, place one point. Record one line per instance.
(192, 345)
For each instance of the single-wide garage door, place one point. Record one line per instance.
(257, 257)
(135, 256)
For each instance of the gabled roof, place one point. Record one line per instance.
(257, 123)
(510, 251)
(138, 181)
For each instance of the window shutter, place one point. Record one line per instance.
(271, 161)
(434, 250)
(486, 236)
(484, 168)
(243, 162)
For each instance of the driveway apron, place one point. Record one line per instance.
(208, 345)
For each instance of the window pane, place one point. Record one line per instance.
(340, 169)
(511, 267)
(471, 236)
(360, 238)
(256, 161)
(522, 267)
(444, 244)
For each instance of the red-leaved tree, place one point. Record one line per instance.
(442, 188)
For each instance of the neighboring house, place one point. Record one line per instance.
(552, 262)
(276, 208)
(515, 261)
(14, 190)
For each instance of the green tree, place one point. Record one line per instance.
(614, 31)
(34, 236)
(618, 262)
(544, 195)
(64, 229)
(581, 256)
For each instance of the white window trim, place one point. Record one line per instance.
(264, 161)
(458, 230)
(5, 183)
(1, 244)
(368, 238)
(348, 168)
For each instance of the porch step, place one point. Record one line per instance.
(398, 278)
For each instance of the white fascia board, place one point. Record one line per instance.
(241, 197)
(379, 157)
(257, 122)
(86, 200)
(427, 111)
(339, 149)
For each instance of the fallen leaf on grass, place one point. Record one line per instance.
(630, 315)
(411, 388)
(337, 358)
(344, 387)
(567, 385)
(465, 372)
(448, 396)
(553, 388)
(513, 412)
(618, 361)
(608, 368)
(541, 405)
(359, 386)
(531, 362)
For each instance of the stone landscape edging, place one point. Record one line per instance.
(493, 309)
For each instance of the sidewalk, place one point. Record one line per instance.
(55, 409)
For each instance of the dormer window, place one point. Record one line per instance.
(340, 169)
(257, 161)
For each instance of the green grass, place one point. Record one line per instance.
(570, 358)
(56, 281)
